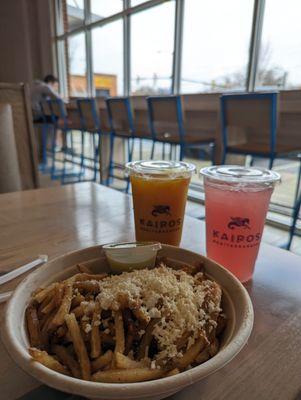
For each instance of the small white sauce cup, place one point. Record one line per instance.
(128, 256)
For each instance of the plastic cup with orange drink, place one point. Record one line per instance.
(236, 203)
(159, 196)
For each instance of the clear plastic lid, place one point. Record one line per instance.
(160, 169)
(240, 174)
(132, 245)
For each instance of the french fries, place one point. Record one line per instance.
(146, 339)
(190, 355)
(119, 333)
(202, 356)
(124, 362)
(66, 359)
(90, 277)
(64, 308)
(86, 286)
(84, 269)
(42, 294)
(79, 346)
(33, 326)
(77, 300)
(48, 361)
(78, 311)
(128, 376)
(95, 338)
(57, 296)
(102, 361)
(173, 372)
(72, 332)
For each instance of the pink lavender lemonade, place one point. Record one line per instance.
(236, 201)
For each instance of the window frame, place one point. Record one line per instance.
(88, 25)
(86, 28)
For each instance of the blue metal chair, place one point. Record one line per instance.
(296, 212)
(167, 126)
(90, 122)
(46, 128)
(60, 122)
(122, 126)
(255, 136)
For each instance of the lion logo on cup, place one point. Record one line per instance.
(238, 222)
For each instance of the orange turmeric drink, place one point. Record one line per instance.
(236, 201)
(159, 196)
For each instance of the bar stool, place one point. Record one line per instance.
(296, 212)
(141, 123)
(47, 127)
(122, 126)
(167, 126)
(61, 122)
(254, 136)
(90, 122)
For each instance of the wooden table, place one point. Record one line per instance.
(57, 220)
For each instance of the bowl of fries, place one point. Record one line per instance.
(144, 334)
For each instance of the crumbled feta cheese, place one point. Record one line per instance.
(88, 328)
(181, 303)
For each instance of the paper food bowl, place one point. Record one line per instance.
(236, 303)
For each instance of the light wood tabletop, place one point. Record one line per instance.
(58, 220)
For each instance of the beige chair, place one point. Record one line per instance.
(17, 95)
(10, 178)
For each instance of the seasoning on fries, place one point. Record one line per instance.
(137, 326)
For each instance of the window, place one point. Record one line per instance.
(77, 65)
(107, 50)
(216, 45)
(75, 13)
(104, 8)
(137, 2)
(214, 55)
(280, 58)
(152, 44)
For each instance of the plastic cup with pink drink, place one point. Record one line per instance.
(236, 203)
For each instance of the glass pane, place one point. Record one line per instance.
(152, 44)
(280, 56)
(77, 65)
(75, 13)
(137, 2)
(62, 71)
(104, 8)
(107, 48)
(216, 45)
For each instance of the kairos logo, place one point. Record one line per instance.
(159, 210)
(160, 220)
(238, 222)
(234, 236)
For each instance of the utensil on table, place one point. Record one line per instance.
(17, 272)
